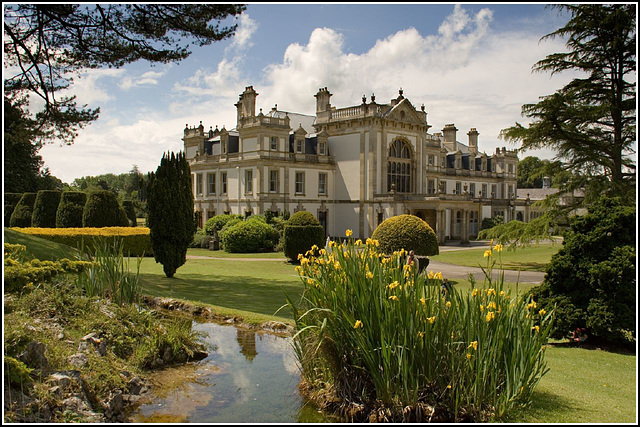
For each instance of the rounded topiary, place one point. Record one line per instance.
(21, 216)
(70, 208)
(301, 232)
(45, 209)
(216, 223)
(130, 210)
(230, 223)
(103, 210)
(10, 202)
(250, 236)
(406, 232)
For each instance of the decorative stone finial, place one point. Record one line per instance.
(422, 107)
(373, 97)
(364, 99)
(400, 92)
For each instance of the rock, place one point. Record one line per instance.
(74, 403)
(84, 346)
(78, 360)
(104, 310)
(156, 363)
(66, 379)
(134, 385)
(60, 336)
(167, 357)
(276, 326)
(198, 355)
(102, 348)
(33, 355)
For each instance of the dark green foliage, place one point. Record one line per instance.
(592, 278)
(16, 372)
(200, 239)
(70, 209)
(250, 236)
(217, 222)
(103, 210)
(230, 223)
(45, 209)
(10, 202)
(129, 209)
(491, 222)
(21, 216)
(531, 170)
(171, 220)
(301, 231)
(406, 232)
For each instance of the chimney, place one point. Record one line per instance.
(249, 102)
(546, 182)
(473, 141)
(323, 100)
(449, 133)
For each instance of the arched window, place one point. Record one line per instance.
(399, 167)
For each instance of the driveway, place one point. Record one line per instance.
(451, 271)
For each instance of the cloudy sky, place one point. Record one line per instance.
(469, 64)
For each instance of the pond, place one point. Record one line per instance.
(248, 377)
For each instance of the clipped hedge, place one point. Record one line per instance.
(301, 232)
(406, 232)
(10, 202)
(69, 214)
(21, 216)
(218, 222)
(250, 236)
(103, 210)
(45, 208)
(130, 210)
(136, 240)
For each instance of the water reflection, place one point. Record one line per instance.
(251, 377)
(247, 342)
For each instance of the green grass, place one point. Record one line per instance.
(584, 386)
(40, 248)
(533, 258)
(253, 286)
(223, 254)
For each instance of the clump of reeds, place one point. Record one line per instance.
(381, 334)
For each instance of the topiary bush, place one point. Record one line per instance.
(21, 215)
(218, 222)
(70, 209)
(592, 279)
(130, 210)
(406, 232)
(301, 231)
(45, 208)
(10, 202)
(249, 236)
(103, 210)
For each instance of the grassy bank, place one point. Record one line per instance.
(532, 258)
(40, 248)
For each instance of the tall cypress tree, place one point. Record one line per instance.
(170, 204)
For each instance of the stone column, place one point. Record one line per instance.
(439, 228)
(465, 226)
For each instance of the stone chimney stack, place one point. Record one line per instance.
(546, 182)
(473, 141)
(248, 100)
(323, 100)
(449, 133)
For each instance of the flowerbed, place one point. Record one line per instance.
(388, 344)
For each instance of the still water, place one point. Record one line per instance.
(248, 377)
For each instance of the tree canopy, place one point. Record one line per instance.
(46, 45)
(591, 121)
(532, 170)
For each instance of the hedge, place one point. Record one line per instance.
(45, 208)
(10, 202)
(103, 210)
(21, 216)
(136, 240)
(301, 232)
(250, 236)
(217, 222)
(406, 232)
(130, 210)
(70, 209)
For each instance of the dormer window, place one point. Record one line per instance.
(299, 146)
(322, 148)
(458, 163)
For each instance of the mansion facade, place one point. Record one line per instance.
(351, 167)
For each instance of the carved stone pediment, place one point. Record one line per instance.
(405, 112)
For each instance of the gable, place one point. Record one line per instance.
(404, 112)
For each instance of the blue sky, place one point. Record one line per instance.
(470, 64)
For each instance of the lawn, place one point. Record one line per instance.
(41, 248)
(223, 254)
(533, 258)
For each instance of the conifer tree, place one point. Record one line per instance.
(170, 204)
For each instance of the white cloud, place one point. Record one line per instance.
(149, 78)
(246, 28)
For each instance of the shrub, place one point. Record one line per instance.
(45, 208)
(70, 209)
(406, 232)
(200, 239)
(16, 372)
(10, 202)
(592, 278)
(136, 241)
(171, 218)
(217, 222)
(103, 210)
(130, 210)
(22, 213)
(250, 236)
(230, 223)
(301, 231)
(491, 222)
(374, 333)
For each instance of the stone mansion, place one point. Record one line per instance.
(351, 167)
